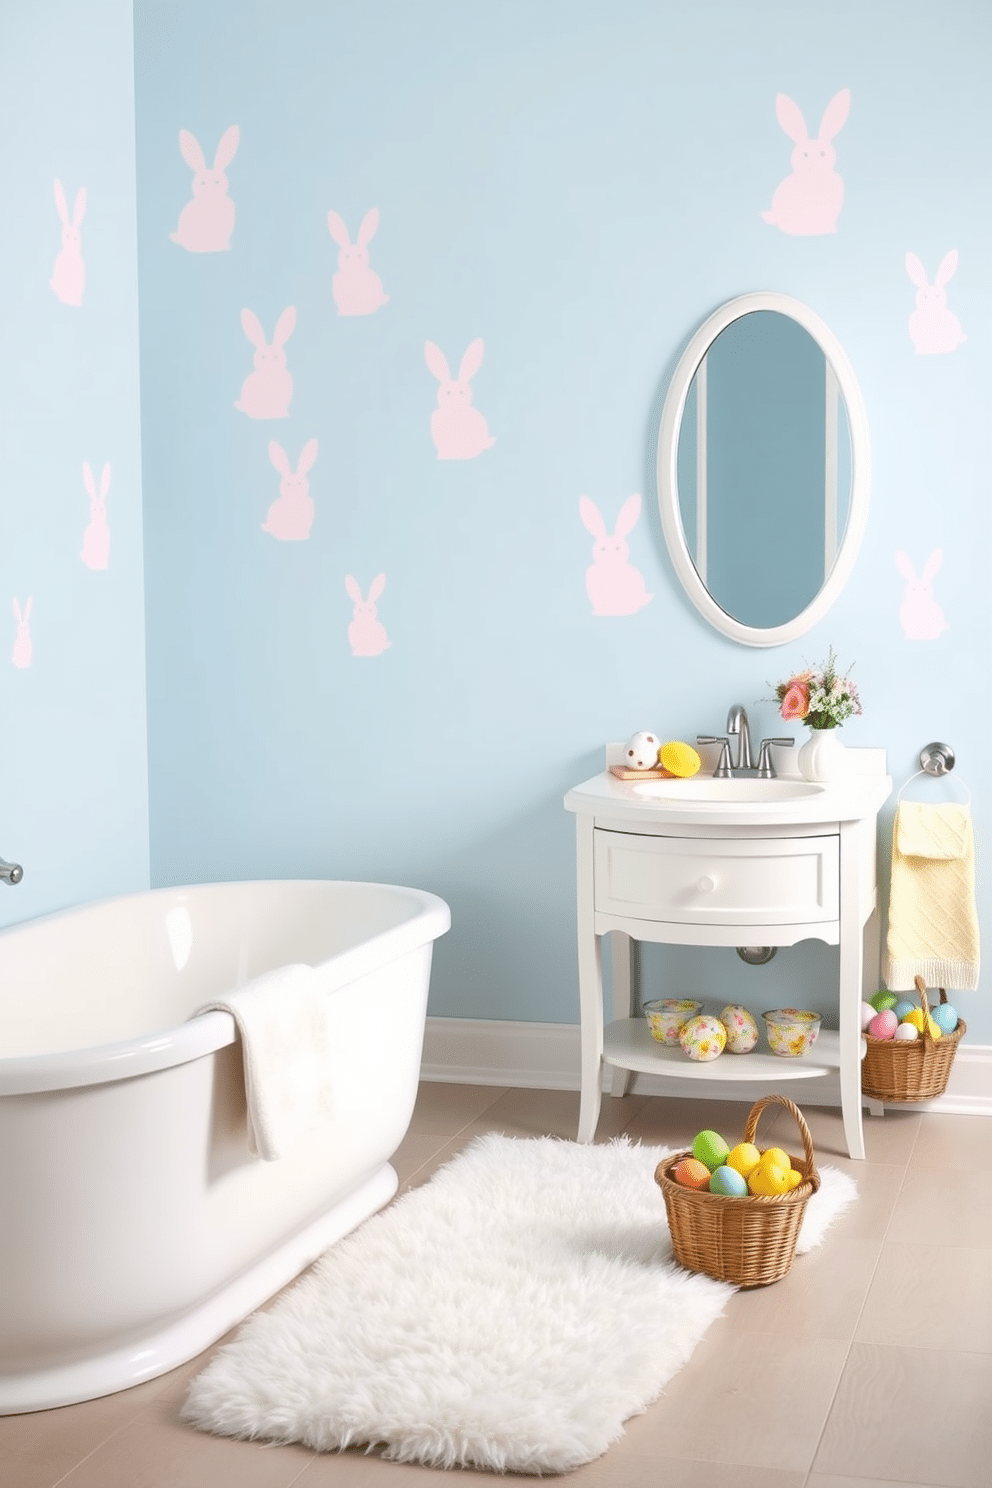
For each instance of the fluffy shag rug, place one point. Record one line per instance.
(511, 1315)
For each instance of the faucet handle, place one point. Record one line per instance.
(723, 769)
(766, 770)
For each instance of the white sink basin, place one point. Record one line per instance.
(708, 788)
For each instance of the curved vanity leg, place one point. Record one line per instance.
(850, 988)
(590, 986)
(625, 967)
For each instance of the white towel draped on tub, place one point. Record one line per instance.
(933, 924)
(284, 1027)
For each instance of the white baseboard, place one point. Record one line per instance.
(545, 1056)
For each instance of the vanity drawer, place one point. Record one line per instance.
(737, 881)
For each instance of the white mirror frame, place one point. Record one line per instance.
(668, 495)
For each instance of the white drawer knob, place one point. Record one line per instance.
(706, 885)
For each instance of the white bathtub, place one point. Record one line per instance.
(135, 1228)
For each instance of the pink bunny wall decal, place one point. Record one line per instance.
(458, 430)
(613, 585)
(366, 635)
(809, 201)
(290, 517)
(96, 538)
(207, 221)
(266, 393)
(932, 327)
(357, 290)
(21, 654)
(920, 615)
(69, 271)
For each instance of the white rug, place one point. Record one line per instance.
(511, 1314)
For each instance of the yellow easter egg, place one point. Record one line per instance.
(778, 1157)
(744, 1158)
(768, 1180)
(678, 758)
(793, 1179)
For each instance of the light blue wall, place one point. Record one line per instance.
(579, 184)
(73, 758)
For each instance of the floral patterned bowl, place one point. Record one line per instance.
(668, 1016)
(791, 1032)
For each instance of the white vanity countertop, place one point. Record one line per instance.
(859, 794)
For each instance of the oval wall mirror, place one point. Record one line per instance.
(763, 469)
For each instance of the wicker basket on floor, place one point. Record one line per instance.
(910, 1069)
(750, 1241)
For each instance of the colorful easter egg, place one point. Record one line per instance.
(744, 1157)
(679, 759)
(904, 1007)
(945, 1017)
(691, 1173)
(703, 1038)
(728, 1181)
(916, 1019)
(710, 1148)
(742, 1030)
(770, 1177)
(883, 1025)
(883, 1000)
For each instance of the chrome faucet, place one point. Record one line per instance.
(744, 767)
(737, 724)
(10, 873)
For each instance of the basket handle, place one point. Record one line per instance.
(804, 1132)
(921, 988)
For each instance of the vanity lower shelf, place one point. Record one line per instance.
(628, 1044)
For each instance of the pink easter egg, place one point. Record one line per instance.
(883, 1025)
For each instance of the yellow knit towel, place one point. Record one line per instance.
(933, 923)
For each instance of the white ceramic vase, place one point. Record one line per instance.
(821, 758)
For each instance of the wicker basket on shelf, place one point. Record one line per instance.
(750, 1241)
(911, 1069)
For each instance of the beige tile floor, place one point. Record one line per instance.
(869, 1364)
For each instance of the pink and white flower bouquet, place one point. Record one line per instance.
(820, 698)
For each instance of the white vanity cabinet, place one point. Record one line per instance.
(718, 871)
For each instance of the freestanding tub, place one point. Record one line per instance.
(135, 1228)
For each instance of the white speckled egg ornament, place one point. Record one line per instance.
(703, 1038)
(641, 752)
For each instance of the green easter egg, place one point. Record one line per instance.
(882, 1001)
(710, 1148)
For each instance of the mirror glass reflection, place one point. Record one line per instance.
(764, 469)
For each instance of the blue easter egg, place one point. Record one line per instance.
(945, 1017)
(902, 1008)
(728, 1181)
